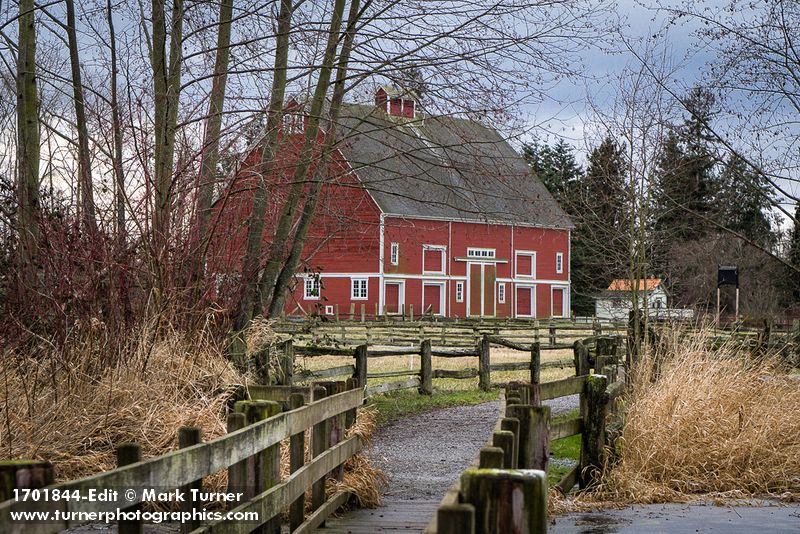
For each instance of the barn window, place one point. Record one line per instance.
(501, 293)
(459, 291)
(359, 289)
(559, 262)
(394, 255)
(525, 264)
(487, 253)
(311, 288)
(292, 123)
(433, 259)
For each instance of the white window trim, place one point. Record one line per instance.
(394, 253)
(353, 295)
(481, 253)
(532, 289)
(532, 254)
(459, 291)
(501, 293)
(442, 300)
(564, 301)
(443, 250)
(312, 279)
(559, 263)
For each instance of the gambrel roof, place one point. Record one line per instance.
(443, 167)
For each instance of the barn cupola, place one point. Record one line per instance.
(396, 102)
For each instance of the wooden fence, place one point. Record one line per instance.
(250, 451)
(515, 457)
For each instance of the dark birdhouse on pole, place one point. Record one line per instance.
(728, 275)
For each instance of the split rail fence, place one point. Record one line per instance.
(250, 452)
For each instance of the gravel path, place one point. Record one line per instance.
(422, 455)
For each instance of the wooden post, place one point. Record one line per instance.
(536, 331)
(504, 439)
(237, 473)
(511, 424)
(491, 458)
(536, 362)
(336, 423)
(593, 437)
(426, 368)
(376, 311)
(23, 474)
(129, 453)
(363, 313)
(581, 358)
(534, 435)
(319, 443)
(286, 351)
(411, 312)
(552, 331)
(350, 415)
(337, 312)
(187, 437)
(297, 446)
(506, 500)
(484, 378)
(455, 519)
(352, 314)
(360, 373)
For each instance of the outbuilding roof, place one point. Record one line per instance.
(623, 284)
(443, 167)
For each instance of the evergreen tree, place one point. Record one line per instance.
(745, 203)
(792, 277)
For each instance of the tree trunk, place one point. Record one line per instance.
(210, 154)
(116, 125)
(166, 92)
(88, 217)
(290, 266)
(255, 227)
(28, 150)
(284, 226)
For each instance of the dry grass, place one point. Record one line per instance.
(706, 423)
(74, 405)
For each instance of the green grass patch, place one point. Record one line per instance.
(394, 405)
(563, 449)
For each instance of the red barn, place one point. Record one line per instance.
(434, 212)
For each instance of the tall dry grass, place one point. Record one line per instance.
(699, 421)
(74, 404)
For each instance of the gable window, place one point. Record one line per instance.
(292, 123)
(359, 288)
(559, 262)
(501, 293)
(433, 259)
(459, 291)
(486, 253)
(394, 254)
(311, 288)
(525, 264)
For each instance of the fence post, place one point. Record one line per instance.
(297, 450)
(455, 519)
(534, 435)
(511, 424)
(581, 358)
(23, 474)
(319, 443)
(491, 458)
(336, 423)
(552, 332)
(489, 491)
(188, 436)
(363, 313)
(484, 378)
(237, 473)
(426, 368)
(352, 314)
(286, 363)
(536, 362)
(536, 330)
(504, 439)
(129, 453)
(593, 437)
(350, 415)
(360, 374)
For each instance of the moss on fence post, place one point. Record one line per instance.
(593, 438)
(426, 368)
(484, 377)
(506, 500)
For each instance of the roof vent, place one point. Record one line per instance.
(397, 102)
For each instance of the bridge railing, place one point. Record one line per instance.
(250, 451)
